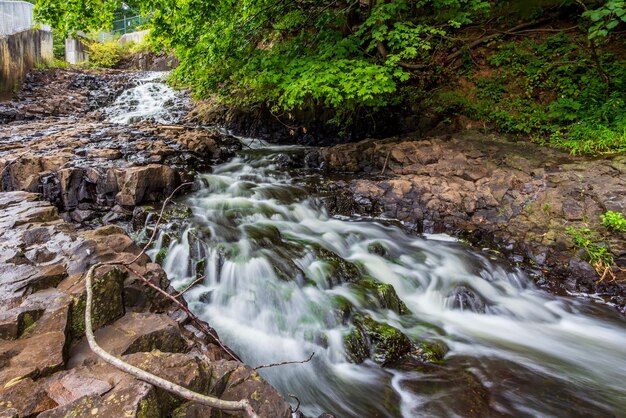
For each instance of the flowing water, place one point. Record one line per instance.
(281, 278)
(150, 100)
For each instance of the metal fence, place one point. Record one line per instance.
(128, 24)
(16, 16)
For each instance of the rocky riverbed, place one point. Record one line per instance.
(65, 171)
(515, 197)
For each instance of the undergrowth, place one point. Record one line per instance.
(596, 245)
(550, 89)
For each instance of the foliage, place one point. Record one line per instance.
(340, 55)
(58, 45)
(68, 17)
(606, 18)
(104, 54)
(597, 250)
(552, 90)
(614, 221)
(55, 63)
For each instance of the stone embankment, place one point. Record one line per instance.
(516, 197)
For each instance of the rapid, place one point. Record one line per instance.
(280, 278)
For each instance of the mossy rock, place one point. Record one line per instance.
(161, 255)
(377, 248)
(341, 271)
(384, 294)
(108, 303)
(343, 308)
(201, 267)
(433, 351)
(357, 347)
(388, 343)
(381, 342)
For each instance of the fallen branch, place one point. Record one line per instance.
(265, 366)
(242, 405)
(297, 400)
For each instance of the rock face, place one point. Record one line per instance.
(516, 196)
(46, 366)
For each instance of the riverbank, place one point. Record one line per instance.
(47, 367)
(512, 196)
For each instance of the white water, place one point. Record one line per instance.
(272, 296)
(253, 219)
(150, 100)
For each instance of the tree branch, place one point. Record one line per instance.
(242, 405)
(265, 366)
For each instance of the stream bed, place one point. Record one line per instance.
(401, 324)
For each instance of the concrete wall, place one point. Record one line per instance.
(75, 51)
(19, 53)
(133, 37)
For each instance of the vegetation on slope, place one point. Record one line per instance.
(351, 57)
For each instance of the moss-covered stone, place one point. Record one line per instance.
(356, 345)
(388, 344)
(384, 294)
(433, 351)
(161, 255)
(340, 270)
(108, 304)
(381, 342)
(377, 248)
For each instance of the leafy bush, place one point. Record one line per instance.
(58, 45)
(614, 221)
(104, 55)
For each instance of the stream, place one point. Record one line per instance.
(281, 279)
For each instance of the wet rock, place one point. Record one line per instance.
(192, 410)
(133, 333)
(108, 304)
(432, 351)
(24, 397)
(370, 339)
(145, 184)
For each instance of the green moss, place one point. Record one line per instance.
(340, 270)
(107, 305)
(161, 255)
(27, 322)
(377, 248)
(389, 343)
(433, 351)
(149, 408)
(356, 345)
(201, 267)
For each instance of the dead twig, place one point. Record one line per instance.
(265, 366)
(192, 284)
(382, 172)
